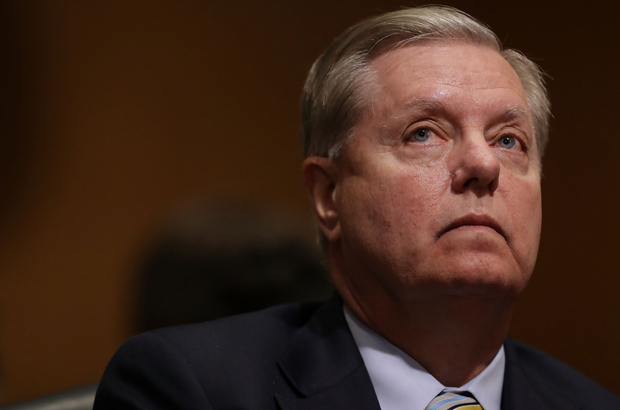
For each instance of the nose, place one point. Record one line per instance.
(476, 167)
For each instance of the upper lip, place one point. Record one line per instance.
(475, 219)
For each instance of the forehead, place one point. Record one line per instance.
(469, 77)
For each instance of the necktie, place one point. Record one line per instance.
(454, 400)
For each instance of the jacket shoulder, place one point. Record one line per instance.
(550, 374)
(252, 332)
(218, 364)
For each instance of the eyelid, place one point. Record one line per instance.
(521, 137)
(427, 123)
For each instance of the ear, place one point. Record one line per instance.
(320, 177)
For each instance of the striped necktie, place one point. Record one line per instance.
(454, 400)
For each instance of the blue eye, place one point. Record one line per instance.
(421, 134)
(507, 142)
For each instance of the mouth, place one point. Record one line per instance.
(474, 220)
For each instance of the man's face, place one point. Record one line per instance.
(438, 190)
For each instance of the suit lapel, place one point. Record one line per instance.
(523, 391)
(324, 370)
(353, 392)
(324, 366)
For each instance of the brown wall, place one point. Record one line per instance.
(122, 111)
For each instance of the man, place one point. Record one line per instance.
(423, 142)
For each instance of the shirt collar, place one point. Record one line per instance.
(401, 383)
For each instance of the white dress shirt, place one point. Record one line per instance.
(402, 384)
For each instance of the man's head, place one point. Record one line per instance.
(341, 83)
(423, 142)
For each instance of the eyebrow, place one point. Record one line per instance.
(431, 106)
(512, 112)
(425, 104)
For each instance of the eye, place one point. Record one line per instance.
(507, 141)
(421, 134)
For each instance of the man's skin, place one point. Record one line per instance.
(433, 211)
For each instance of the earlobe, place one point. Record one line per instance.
(320, 177)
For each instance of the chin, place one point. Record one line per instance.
(486, 278)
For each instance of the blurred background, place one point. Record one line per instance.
(122, 117)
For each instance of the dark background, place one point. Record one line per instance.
(118, 112)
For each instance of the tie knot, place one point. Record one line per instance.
(451, 400)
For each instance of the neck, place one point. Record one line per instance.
(453, 337)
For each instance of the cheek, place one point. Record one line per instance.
(425, 185)
(419, 195)
(524, 210)
(396, 203)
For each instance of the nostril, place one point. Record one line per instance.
(482, 180)
(469, 181)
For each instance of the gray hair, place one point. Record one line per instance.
(340, 81)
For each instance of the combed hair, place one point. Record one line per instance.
(341, 82)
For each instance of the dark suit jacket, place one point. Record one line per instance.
(299, 357)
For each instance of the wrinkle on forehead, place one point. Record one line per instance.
(432, 71)
(469, 72)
